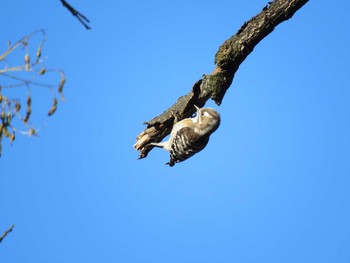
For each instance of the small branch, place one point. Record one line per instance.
(16, 112)
(228, 59)
(6, 232)
(83, 19)
(21, 42)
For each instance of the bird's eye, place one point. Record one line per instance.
(194, 115)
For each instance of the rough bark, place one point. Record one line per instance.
(228, 59)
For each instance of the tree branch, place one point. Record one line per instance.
(83, 19)
(6, 232)
(228, 59)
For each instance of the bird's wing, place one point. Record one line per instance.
(185, 144)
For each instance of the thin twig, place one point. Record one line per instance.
(21, 42)
(83, 19)
(23, 81)
(6, 232)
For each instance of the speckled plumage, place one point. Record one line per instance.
(189, 136)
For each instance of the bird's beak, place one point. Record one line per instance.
(198, 114)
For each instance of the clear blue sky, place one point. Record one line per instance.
(271, 186)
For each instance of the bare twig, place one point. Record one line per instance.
(228, 59)
(22, 41)
(6, 232)
(24, 76)
(83, 19)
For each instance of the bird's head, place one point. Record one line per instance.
(208, 120)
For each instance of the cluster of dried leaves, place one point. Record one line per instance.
(12, 108)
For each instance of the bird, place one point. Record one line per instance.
(189, 136)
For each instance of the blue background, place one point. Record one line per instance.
(271, 186)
